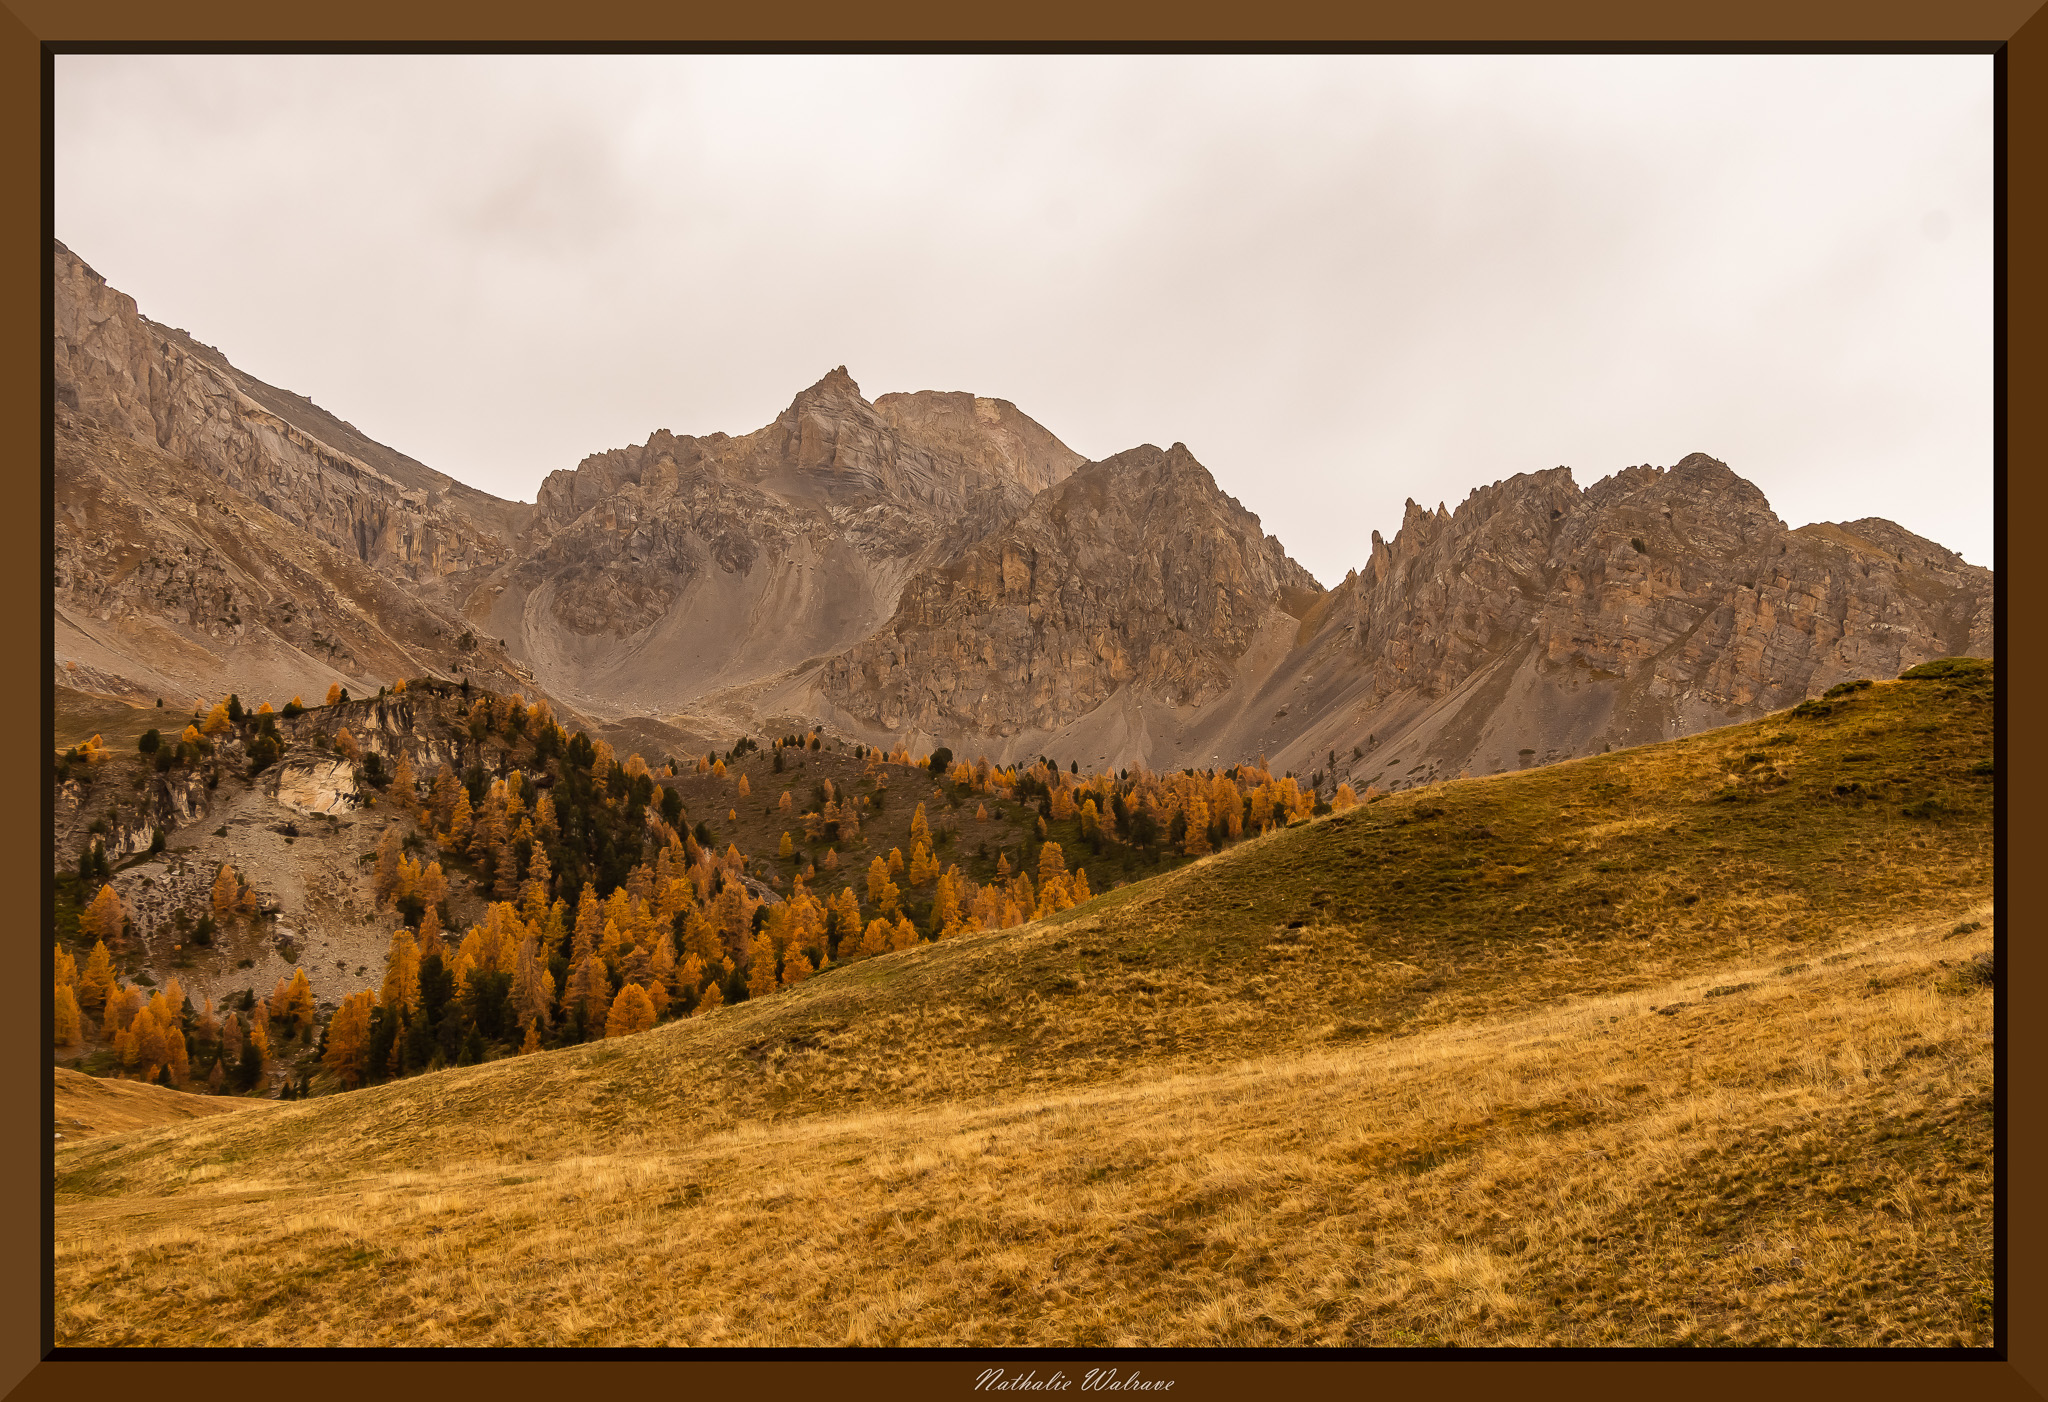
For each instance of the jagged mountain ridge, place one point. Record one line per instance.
(937, 568)
(1542, 620)
(656, 575)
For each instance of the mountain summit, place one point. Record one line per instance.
(938, 568)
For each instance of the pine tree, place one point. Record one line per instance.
(981, 812)
(1078, 887)
(895, 866)
(920, 828)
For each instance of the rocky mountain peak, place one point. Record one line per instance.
(1134, 575)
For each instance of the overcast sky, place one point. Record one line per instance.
(1342, 281)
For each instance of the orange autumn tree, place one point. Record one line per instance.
(632, 1011)
(65, 1026)
(104, 918)
(227, 890)
(348, 1039)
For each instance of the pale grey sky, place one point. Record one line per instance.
(1341, 280)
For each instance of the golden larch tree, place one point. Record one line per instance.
(876, 940)
(632, 1011)
(348, 1039)
(761, 979)
(103, 918)
(297, 1009)
(65, 1028)
(903, 935)
(390, 852)
(227, 890)
(796, 967)
(97, 981)
(401, 992)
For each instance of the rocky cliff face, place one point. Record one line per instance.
(169, 583)
(1136, 571)
(1539, 620)
(163, 389)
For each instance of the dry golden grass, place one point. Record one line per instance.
(1463, 1067)
(1806, 1161)
(85, 1106)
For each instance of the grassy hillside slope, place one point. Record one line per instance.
(86, 1106)
(1681, 1044)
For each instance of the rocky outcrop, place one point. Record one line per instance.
(1136, 571)
(159, 387)
(314, 784)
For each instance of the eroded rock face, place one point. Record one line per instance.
(317, 785)
(1684, 579)
(160, 387)
(1136, 570)
(1654, 603)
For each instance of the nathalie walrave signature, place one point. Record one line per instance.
(1095, 1380)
